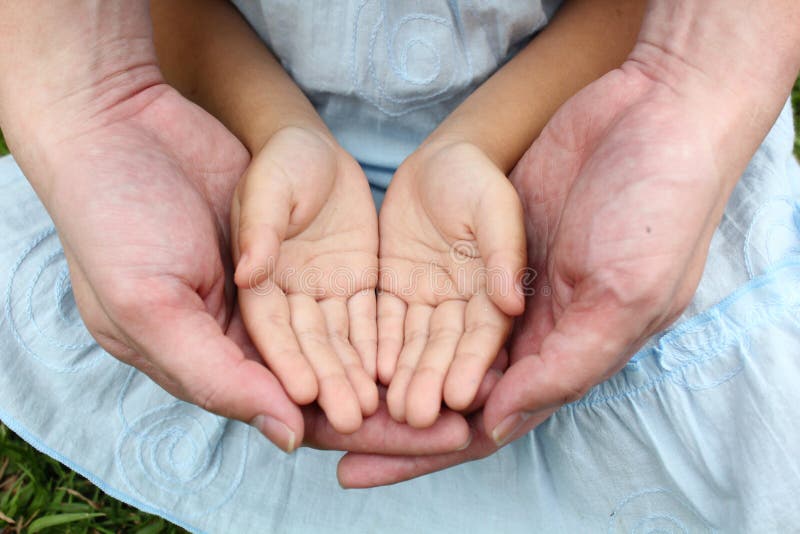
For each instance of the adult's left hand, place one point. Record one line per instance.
(622, 192)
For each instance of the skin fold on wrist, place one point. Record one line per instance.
(733, 60)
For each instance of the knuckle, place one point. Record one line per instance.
(209, 397)
(130, 300)
(470, 356)
(427, 370)
(634, 290)
(446, 332)
(313, 337)
(574, 390)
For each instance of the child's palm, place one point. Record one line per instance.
(305, 240)
(452, 248)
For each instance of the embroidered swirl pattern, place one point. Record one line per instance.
(171, 452)
(405, 62)
(167, 449)
(655, 511)
(773, 235)
(53, 334)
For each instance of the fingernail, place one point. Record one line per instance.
(468, 443)
(275, 431)
(503, 432)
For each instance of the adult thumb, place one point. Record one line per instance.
(587, 344)
(196, 361)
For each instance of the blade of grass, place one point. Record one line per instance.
(60, 519)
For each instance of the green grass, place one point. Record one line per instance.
(36, 491)
(39, 494)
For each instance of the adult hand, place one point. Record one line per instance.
(139, 181)
(622, 192)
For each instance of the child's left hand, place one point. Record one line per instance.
(452, 251)
(304, 235)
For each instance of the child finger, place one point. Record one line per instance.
(424, 396)
(490, 380)
(486, 328)
(416, 330)
(267, 319)
(336, 395)
(334, 310)
(500, 233)
(263, 205)
(391, 321)
(362, 311)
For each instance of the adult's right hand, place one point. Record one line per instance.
(141, 206)
(138, 181)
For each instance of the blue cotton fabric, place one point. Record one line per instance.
(697, 434)
(383, 74)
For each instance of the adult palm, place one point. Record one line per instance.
(140, 195)
(141, 203)
(622, 193)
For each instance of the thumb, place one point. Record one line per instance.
(200, 364)
(588, 344)
(262, 206)
(500, 236)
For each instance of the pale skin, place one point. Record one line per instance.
(304, 229)
(451, 213)
(86, 67)
(139, 182)
(452, 244)
(621, 201)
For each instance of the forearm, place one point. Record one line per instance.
(737, 59)
(209, 53)
(69, 66)
(503, 116)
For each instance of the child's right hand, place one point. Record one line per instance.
(305, 243)
(452, 250)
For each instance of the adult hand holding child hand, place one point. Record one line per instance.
(139, 182)
(622, 193)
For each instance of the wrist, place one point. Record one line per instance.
(71, 68)
(259, 133)
(732, 62)
(431, 153)
(739, 45)
(91, 57)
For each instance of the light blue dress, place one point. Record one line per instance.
(698, 433)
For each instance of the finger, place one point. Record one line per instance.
(415, 334)
(362, 312)
(381, 434)
(424, 396)
(486, 328)
(203, 366)
(336, 396)
(266, 316)
(260, 216)
(357, 470)
(336, 320)
(587, 345)
(490, 380)
(500, 235)
(391, 321)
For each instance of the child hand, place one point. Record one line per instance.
(305, 244)
(452, 250)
